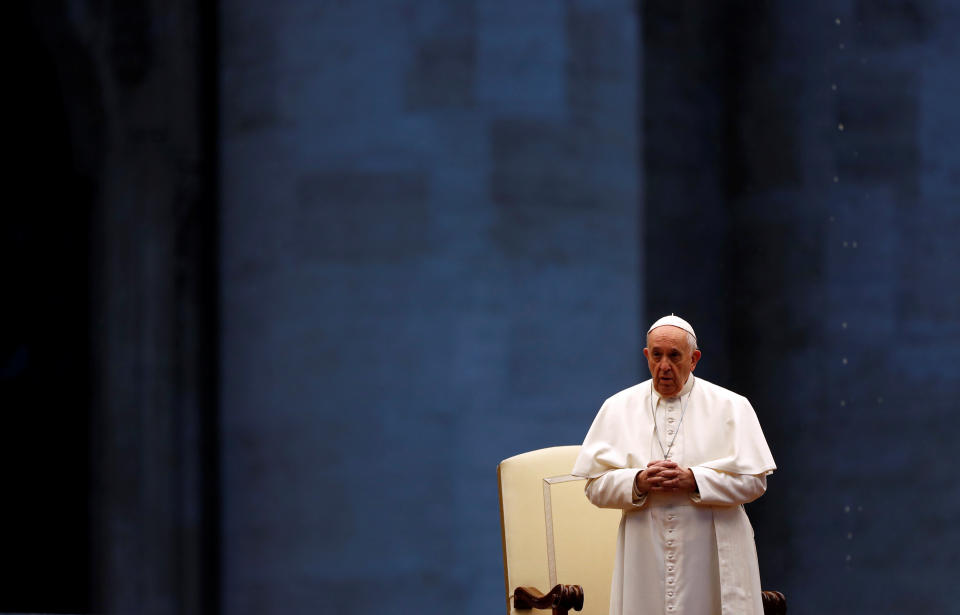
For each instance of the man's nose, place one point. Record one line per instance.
(664, 364)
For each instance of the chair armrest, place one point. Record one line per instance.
(561, 598)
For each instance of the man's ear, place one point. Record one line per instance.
(646, 352)
(696, 358)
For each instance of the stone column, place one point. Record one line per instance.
(136, 78)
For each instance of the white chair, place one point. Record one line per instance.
(553, 536)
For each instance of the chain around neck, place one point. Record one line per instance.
(683, 411)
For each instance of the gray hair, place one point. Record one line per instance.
(691, 341)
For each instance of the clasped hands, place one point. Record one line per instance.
(664, 475)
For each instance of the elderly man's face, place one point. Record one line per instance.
(671, 359)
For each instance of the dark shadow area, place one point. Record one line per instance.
(45, 349)
(108, 353)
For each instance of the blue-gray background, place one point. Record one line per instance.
(421, 236)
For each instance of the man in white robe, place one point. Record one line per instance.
(679, 456)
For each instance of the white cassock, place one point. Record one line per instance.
(680, 553)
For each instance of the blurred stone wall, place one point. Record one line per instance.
(440, 231)
(430, 262)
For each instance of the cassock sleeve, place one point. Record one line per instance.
(724, 489)
(614, 489)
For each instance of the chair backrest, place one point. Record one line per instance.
(551, 532)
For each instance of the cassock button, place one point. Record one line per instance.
(669, 432)
(670, 543)
(671, 420)
(670, 580)
(670, 594)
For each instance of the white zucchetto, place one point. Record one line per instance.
(673, 321)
